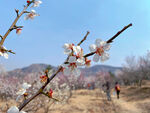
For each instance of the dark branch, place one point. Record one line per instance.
(16, 27)
(10, 51)
(84, 38)
(17, 12)
(26, 12)
(1, 36)
(89, 54)
(111, 39)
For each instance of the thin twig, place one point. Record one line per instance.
(17, 12)
(10, 51)
(83, 38)
(89, 54)
(16, 27)
(117, 34)
(13, 24)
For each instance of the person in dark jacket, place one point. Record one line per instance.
(107, 90)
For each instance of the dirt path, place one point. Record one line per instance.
(126, 107)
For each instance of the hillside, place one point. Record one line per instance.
(35, 68)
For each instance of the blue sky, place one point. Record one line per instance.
(62, 21)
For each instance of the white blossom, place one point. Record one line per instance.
(22, 90)
(3, 52)
(26, 86)
(99, 48)
(31, 15)
(71, 67)
(68, 48)
(36, 3)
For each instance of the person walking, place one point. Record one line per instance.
(106, 88)
(117, 89)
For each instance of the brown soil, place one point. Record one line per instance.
(132, 100)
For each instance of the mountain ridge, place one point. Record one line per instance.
(36, 68)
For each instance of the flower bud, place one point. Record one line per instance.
(18, 31)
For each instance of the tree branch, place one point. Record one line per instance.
(17, 12)
(13, 24)
(84, 38)
(117, 34)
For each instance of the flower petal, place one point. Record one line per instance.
(66, 46)
(1, 54)
(5, 55)
(33, 11)
(26, 86)
(78, 49)
(67, 51)
(80, 61)
(36, 4)
(18, 97)
(104, 57)
(96, 58)
(92, 47)
(22, 112)
(103, 43)
(67, 71)
(21, 91)
(97, 42)
(72, 59)
(106, 47)
(13, 109)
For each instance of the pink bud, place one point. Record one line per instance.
(18, 31)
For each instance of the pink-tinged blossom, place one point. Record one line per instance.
(68, 48)
(87, 62)
(71, 67)
(22, 90)
(99, 48)
(18, 31)
(36, 3)
(3, 52)
(31, 15)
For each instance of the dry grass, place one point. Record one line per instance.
(133, 100)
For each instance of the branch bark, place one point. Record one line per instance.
(84, 38)
(13, 25)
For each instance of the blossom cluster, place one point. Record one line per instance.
(77, 59)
